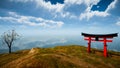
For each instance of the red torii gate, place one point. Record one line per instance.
(99, 38)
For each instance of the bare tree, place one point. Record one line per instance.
(9, 37)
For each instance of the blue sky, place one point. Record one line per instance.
(62, 17)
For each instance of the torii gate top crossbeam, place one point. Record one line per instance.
(100, 35)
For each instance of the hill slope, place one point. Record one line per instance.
(72, 56)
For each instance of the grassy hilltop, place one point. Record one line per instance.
(69, 56)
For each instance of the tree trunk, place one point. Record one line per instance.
(9, 49)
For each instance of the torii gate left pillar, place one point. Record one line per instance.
(89, 45)
(105, 47)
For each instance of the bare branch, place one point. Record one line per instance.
(9, 37)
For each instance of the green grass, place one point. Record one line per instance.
(69, 56)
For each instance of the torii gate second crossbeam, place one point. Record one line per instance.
(100, 38)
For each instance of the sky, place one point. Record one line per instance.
(61, 17)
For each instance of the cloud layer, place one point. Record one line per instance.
(31, 21)
(59, 8)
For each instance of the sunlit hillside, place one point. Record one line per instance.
(69, 56)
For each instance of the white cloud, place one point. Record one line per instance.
(90, 14)
(118, 23)
(58, 9)
(53, 8)
(73, 1)
(86, 2)
(31, 21)
(47, 5)
(91, 2)
(87, 14)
